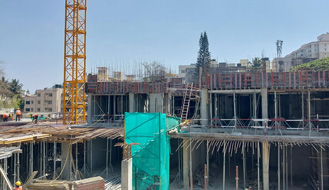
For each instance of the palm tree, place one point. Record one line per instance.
(15, 87)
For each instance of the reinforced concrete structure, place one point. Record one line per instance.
(267, 124)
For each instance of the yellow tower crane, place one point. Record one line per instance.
(74, 97)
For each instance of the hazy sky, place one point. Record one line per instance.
(123, 32)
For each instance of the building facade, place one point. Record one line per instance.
(47, 100)
(308, 52)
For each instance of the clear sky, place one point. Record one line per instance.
(123, 32)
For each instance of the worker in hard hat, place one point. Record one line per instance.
(4, 117)
(18, 114)
(18, 186)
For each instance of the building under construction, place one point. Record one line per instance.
(257, 130)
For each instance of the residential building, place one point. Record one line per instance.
(45, 100)
(308, 52)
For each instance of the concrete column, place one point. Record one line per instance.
(126, 174)
(204, 110)
(132, 103)
(264, 103)
(266, 163)
(167, 106)
(156, 102)
(186, 162)
(91, 105)
(66, 161)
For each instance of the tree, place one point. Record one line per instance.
(255, 64)
(203, 60)
(15, 87)
(316, 65)
(154, 71)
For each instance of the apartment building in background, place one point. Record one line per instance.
(47, 100)
(308, 52)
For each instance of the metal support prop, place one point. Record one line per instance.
(244, 164)
(6, 169)
(275, 111)
(18, 167)
(210, 109)
(15, 177)
(236, 177)
(55, 152)
(76, 161)
(321, 165)
(191, 169)
(224, 164)
(309, 111)
(44, 158)
(234, 110)
(303, 110)
(84, 158)
(287, 171)
(40, 158)
(91, 156)
(205, 177)
(284, 167)
(107, 158)
(258, 174)
(291, 166)
(207, 163)
(279, 167)
(31, 158)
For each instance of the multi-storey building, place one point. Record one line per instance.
(46, 100)
(306, 53)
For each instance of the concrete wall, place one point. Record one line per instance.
(156, 102)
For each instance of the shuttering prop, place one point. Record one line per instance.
(151, 157)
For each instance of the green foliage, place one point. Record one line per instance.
(203, 60)
(255, 64)
(316, 65)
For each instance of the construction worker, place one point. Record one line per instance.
(18, 186)
(18, 114)
(35, 118)
(4, 117)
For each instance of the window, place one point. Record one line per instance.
(50, 109)
(32, 102)
(38, 109)
(31, 109)
(39, 94)
(27, 102)
(50, 94)
(183, 71)
(39, 102)
(50, 102)
(27, 109)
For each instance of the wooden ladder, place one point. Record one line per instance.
(186, 101)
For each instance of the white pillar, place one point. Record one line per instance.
(126, 174)
(204, 111)
(132, 102)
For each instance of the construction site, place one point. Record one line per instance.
(250, 130)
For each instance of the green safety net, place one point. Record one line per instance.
(151, 157)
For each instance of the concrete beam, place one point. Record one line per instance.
(242, 91)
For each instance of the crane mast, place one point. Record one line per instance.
(74, 96)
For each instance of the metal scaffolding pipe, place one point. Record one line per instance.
(44, 157)
(224, 165)
(207, 163)
(279, 166)
(258, 174)
(234, 110)
(76, 161)
(284, 167)
(31, 158)
(191, 172)
(244, 164)
(107, 158)
(321, 165)
(55, 152)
